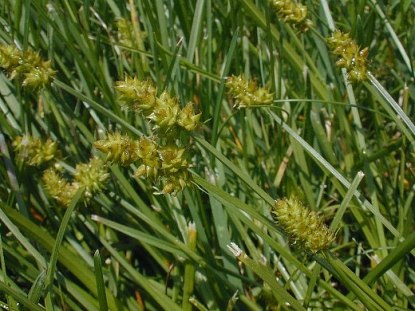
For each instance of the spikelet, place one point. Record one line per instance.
(91, 176)
(165, 112)
(26, 66)
(176, 182)
(148, 153)
(57, 187)
(173, 159)
(128, 36)
(160, 158)
(137, 95)
(292, 13)
(119, 148)
(247, 93)
(33, 151)
(187, 118)
(351, 57)
(302, 225)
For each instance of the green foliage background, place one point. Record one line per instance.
(129, 249)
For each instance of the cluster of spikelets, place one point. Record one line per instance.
(351, 57)
(26, 66)
(88, 176)
(247, 93)
(303, 226)
(160, 158)
(33, 151)
(292, 13)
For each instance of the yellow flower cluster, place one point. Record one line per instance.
(350, 55)
(90, 176)
(292, 13)
(161, 158)
(302, 225)
(26, 66)
(246, 93)
(33, 151)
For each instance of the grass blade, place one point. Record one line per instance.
(102, 298)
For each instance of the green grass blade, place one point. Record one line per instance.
(21, 238)
(268, 276)
(393, 258)
(196, 29)
(156, 292)
(242, 175)
(358, 287)
(19, 297)
(37, 288)
(393, 104)
(218, 104)
(346, 200)
(50, 274)
(394, 36)
(102, 298)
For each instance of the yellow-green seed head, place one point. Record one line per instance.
(27, 66)
(127, 36)
(292, 13)
(119, 148)
(302, 225)
(92, 176)
(57, 187)
(136, 95)
(187, 119)
(9, 57)
(39, 76)
(147, 171)
(173, 159)
(176, 182)
(247, 93)
(165, 112)
(35, 152)
(147, 152)
(351, 57)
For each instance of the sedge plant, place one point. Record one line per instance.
(207, 155)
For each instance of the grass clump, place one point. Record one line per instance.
(147, 147)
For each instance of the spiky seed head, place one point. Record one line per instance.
(165, 112)
(302, 225)
(92, 176)
(247, 93)
(34, 151)
(119, 148)
(187, 119)
(57, 187)
(173, 159)
(351, 57)
(137, 95)
(176, 182)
